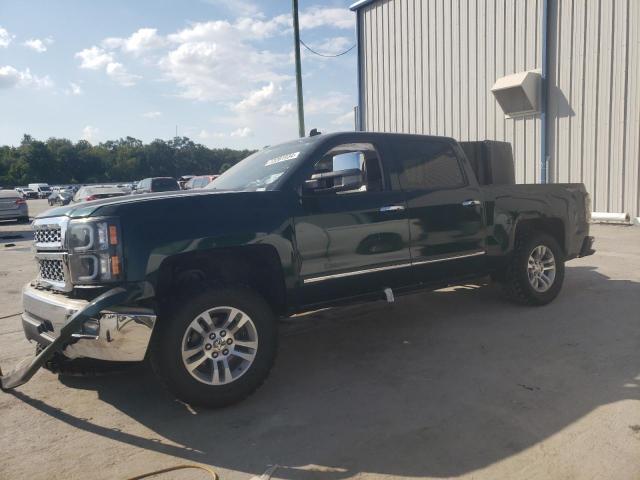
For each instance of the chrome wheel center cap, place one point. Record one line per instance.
(218, 345)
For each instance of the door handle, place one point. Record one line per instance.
(392, 208)
(471, 203)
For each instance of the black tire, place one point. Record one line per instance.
(166, 348)
(516, 279)
(23, 220)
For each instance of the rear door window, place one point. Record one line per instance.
(428, 165)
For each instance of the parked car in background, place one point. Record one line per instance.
(96, 192)
(182, 181)
(43, 189)
(13, 206)
(62, 197)
(200, 181)
(157, 184)
(27, 192)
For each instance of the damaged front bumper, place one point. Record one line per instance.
(102, 329)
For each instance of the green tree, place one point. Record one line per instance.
(59, 160)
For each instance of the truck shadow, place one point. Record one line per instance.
(438, 384)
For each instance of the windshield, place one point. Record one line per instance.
(261, 170)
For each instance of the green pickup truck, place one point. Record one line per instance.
(196, 281)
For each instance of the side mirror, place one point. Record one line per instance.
(333, 182)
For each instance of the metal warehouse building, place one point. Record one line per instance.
(559, 79)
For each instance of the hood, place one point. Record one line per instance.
(87, 209)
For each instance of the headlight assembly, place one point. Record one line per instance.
(95, 251)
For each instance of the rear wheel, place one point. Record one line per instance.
(535, 273)
(216, 348)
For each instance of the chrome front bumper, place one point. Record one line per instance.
(118, 334)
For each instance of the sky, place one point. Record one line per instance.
(222, 71)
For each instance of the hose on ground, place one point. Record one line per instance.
(211, 472)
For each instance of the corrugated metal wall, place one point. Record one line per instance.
(427, 66)
(594, 99)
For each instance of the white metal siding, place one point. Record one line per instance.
(594, 99)
(427, 66)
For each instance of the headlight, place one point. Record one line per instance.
(95, 251)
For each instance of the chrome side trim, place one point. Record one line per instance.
(355, 272)
(454, 257)
(390, 267)
(392, 208)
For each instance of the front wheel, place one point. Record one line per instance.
(535, 272)
(217, 348)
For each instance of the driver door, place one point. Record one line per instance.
(353, 233)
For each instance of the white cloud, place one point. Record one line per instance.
(12, 77)
(333, 46)
(345, 120)
(332, 103)
(142, 40)
(119, 74)
(315, 17)
(74, 89)
(219, 69)
(38, 45)
(263, 28)
(257, 98)
(90, 133)
(242, 132)
(286, 109)
(240, 7)
(211, 31)
(205, 135)
(5, 38)
(94, 58)
(152, 114)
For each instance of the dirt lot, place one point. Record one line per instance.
(453, 383)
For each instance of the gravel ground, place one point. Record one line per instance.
(452, 383)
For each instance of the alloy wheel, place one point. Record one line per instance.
(219, 345)
(541, 268)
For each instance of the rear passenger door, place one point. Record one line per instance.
(445, 210)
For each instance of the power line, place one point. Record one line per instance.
(325, 55)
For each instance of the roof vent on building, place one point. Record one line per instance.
(519, 94)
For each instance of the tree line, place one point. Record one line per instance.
(60, 161)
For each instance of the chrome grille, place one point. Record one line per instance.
(50, 234)
(52, 270)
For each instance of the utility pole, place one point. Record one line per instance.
(296, 40)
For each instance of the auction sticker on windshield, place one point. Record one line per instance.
(282, 158)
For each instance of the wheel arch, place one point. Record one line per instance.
(257, 267)
(552, 226)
